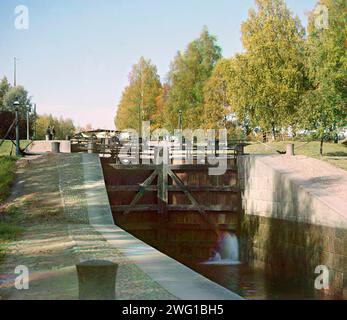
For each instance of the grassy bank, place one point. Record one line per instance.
(7, 170)
(335, 154)
(9, 228)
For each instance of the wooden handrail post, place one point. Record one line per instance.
(163, 195)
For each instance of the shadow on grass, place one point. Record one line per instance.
(336, 154)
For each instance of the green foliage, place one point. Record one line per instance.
(4, 88)
(283, 79)
(187, 78)
(217, 106)
(63, 127)
(161, 103)
(16, 94)
(139, 99)
(324, 107)
(269, 78)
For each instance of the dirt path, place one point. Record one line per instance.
(49, 196)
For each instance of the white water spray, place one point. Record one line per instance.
(227, 252)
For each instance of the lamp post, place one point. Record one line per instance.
(15, 72)
(180, 123)
(28, 122)
(16, 108)
(180, 126)
(140, 119)
(35, 119)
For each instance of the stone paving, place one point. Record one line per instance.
(62, 236)
(71, 187)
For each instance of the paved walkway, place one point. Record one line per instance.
(51, 249)
(67, 219)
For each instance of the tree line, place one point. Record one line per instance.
(287, 78)
(38, 123)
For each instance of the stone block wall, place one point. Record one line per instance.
(43, 146)
(290, 251)
(288, 230)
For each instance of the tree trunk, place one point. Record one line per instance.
(294, 133)
(336, 138)
(264, 137)
(321, 147)
(273, 132)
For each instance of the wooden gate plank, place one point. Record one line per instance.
(142, 191)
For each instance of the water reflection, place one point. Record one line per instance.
(252, 283)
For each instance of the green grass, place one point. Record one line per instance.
(9, 231)
(9, 228)
(7, 169)
(335, 154)
(8, 146)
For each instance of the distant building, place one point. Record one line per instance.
(98, 134)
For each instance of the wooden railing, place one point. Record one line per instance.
(153, 151)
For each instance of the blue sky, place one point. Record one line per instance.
(76, 55)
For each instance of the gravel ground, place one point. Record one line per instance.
(49, 194)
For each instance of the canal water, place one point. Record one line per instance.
(225, 268)
(252, 283)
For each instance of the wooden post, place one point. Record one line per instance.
(140, 150)
(166, 163)
(97, 280)
(216, 150)
(91, 147)
(290, 149)
(163, 195)
(240, 150)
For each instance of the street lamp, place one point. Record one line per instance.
(16, 105)
(35, 119)
(28, 122)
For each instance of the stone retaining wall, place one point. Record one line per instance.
(43, 146)
(290, 226)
